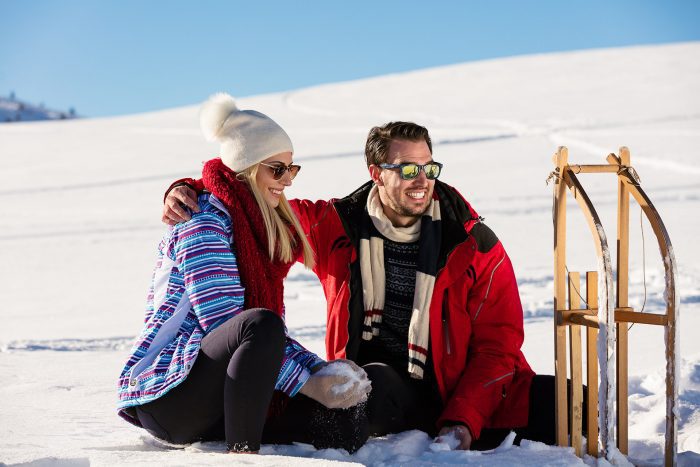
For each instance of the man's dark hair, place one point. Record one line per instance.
(380, 137)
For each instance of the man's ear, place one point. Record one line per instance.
(374, 173)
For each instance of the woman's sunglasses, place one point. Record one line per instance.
(409, 171)
(279, 169)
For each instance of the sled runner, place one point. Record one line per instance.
(605, 317)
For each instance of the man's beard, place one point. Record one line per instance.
(407, 211)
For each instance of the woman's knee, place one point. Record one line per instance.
(257, 326)
(266, 321)
(262, 324)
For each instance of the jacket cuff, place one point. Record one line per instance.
(190, 182)
(462, 415)
(292, 386)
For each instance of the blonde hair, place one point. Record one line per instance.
(278, 222)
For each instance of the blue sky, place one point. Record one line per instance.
(121, 57)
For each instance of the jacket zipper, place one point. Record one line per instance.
(510, 373)
(446, 325)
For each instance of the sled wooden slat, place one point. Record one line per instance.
(579, 317)
(592, 366)
(587, 317)
(561, 403)
(623, 224)
(641, 318)
(588, 169)
(575, 364)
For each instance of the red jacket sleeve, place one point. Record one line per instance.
(196, 184)
(494, 307)
(311, 215)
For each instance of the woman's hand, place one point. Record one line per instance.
(178, 199)
(340, 384)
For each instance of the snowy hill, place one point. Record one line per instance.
(13, 110)
(81, 208)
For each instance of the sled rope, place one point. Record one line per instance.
(644, 263)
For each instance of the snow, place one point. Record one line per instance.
(446, 442)
(355, 380)
(81, 208)
(606, 348)
(672, 338)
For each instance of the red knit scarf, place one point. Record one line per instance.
(261, 277)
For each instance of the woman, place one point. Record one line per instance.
(214, 345)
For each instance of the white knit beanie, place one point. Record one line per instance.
(246, 136)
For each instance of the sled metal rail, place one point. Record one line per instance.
(606, 316)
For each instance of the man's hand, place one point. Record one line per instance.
(460, 433)
(173, 210)
(340, 384)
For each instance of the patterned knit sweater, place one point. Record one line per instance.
(195, 288)
(391, 345)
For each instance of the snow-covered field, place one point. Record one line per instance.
(81, 205)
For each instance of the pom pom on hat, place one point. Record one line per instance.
(214, 113)
(246, 136)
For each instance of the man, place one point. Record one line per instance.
(422, 294)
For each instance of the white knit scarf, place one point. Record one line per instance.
(427, 231)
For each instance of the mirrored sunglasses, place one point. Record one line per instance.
(278, 170)
(409, 171)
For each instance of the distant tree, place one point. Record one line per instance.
(20, 107)
(71, 112)
(12, 96)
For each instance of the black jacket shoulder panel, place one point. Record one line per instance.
(350, 210)
(484, 236)
(452, 205)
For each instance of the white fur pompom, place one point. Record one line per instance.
(214, 113)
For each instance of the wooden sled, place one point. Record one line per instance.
(605, 320)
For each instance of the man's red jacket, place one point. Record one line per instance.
(476, 318)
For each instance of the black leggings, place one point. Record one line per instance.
(229, 388)
(228, 392)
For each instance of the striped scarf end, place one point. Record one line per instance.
(373, 314)
(417, 353)
(417, 358)
(415, 370)
(369, 330)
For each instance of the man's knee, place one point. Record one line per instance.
(384, 376)
(388, 401)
